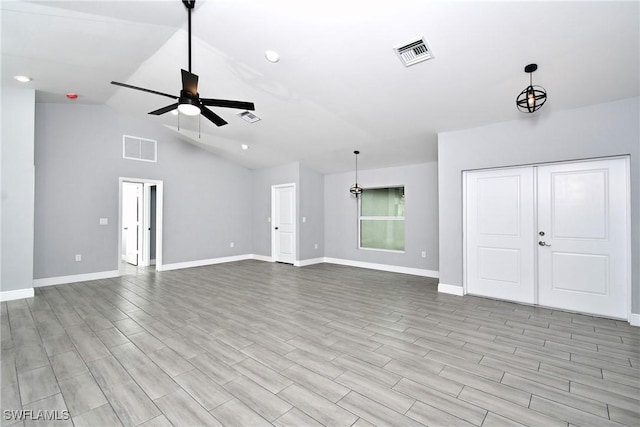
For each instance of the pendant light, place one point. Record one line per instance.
(532, 98)
(355, 189)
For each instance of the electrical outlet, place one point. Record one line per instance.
(78, 257)
(304, 219)
(104, 221)
(424, 254)
(231, 244)
(315, 246)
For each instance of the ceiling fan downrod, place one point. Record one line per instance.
(189, 4)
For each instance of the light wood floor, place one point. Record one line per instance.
(254, 343)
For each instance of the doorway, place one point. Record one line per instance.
(140, 224)
(283, 212)
(554, 235)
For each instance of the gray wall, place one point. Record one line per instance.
(263, 179)
(421, 215)
(310, 207)
(78, 156)
(597, 131)
(17, 210)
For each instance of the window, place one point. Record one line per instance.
(382, 219)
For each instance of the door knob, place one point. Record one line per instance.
(276, 228)
(543, 243)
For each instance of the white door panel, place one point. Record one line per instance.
(284, 223)
(582, 211)
(500, 246)
(131, 221)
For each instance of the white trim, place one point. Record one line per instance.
(159, 217)
(465, 279)
(311, 261)
(384, 267)
(60, 280)
(203, 262)
(634, 319)
(264, 258)
(274, 249)
(16, 294)
(450, 289)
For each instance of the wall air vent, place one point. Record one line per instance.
(248, 116)
(413, 52)
(136, 148)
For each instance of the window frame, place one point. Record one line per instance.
(380, 218)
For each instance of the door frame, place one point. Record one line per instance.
(628, 224)
(139, 203)
(274, 249)
(159, 210)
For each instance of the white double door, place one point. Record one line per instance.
(554, 235)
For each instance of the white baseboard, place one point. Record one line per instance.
(203, 262)
(16, 294)
(49, 281)
(261, 258)
(634, 319)
(450, 289)
(305, 262)
(384, 267)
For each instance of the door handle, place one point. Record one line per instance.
(543, 243)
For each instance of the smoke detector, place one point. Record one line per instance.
(413, 52)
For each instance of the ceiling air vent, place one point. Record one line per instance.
(413, 52)
(248, 116)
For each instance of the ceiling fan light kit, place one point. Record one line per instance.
(189, 101)
(532, 98)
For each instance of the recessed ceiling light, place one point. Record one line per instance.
(22, 79)
(272, 56)
(245, 146)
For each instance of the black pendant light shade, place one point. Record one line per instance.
(355, 189)
(532, 98)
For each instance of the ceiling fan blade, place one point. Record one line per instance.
(216, 119)
(228, 104)
(164, 109)
(144, 90)
(189, 82)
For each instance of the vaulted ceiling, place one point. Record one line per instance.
(339, 85)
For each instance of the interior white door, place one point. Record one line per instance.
(500, 234)
(284, 223)
(131, 221)
(582, 212)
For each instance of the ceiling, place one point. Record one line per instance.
(339, 85)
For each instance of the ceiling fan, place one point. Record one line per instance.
(189, 101)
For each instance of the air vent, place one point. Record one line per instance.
(248, 116)
(136, 148)
(413, 52)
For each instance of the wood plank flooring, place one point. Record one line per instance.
(253, 343)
